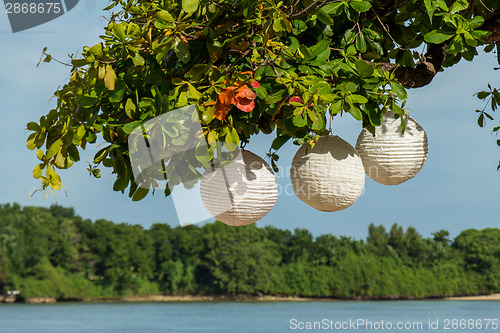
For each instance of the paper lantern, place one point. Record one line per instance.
(328, 177)
(240, 193)
(390, 157)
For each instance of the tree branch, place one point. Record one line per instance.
(423, 73)
(493, 25)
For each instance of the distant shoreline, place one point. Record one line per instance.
(225, 298)
(491, 297)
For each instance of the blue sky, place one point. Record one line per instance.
(458, 188)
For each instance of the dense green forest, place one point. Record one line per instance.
(53, 252)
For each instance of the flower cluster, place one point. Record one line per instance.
(239, 95)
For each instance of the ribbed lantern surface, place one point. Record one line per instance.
(328, 177)
(240, 193)
(390, 157)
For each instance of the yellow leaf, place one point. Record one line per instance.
(110, 78)
(102, 72)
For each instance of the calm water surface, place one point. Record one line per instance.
(232, 317)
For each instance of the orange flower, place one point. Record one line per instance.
(224, 101)
(243, 97)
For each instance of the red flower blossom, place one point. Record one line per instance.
(295, 99)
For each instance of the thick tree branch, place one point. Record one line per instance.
(423, 73)
(493, 25)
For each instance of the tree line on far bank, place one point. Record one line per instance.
(51, 252)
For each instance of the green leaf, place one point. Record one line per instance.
(88, 101)
(54, 149)
(140, 193)
(362, 6)
(120, 184)
(119, 31)
(80, 132)
(195, 94)
(96, 49)
(31, 142)
(299, 120)
(441, 4)
(438, 36)
(430, 8)
(334, 9)
(312, 115)
(479, 34)
(469, 39)
(120, 166)
(277, 26)
(190, 6)
(359, 99)
(39, 154)
(165, 16)
(138, 60)
(376, 47)
(456, 45)
(317, 49)
(182, 52)
(459, 5)
(79, 62)
(355, 112)
(336, 107)
(129, 128)
(324, 18)
(348, 38)
(480, 120)
(32, 126)
(54, 180)
(37, 171)
(280, 141)
(232, 140)
(374, 114)
(130, 108)
(305, 51)
(399, 90)
(483, 94)
(476, 22)
(361, 43)
(116, 95)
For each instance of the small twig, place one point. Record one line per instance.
(278, 109)
(387, 30)
(292, 7)
(305, 9)
(191, 37)
(52, 58)
(302, 12)
(243, 55)
(488, 9)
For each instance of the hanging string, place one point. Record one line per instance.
(331, 119)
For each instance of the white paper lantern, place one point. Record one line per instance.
(240, 193)
(390, 157)
(328, 177)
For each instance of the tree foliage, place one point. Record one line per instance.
(283, 67)
(52, 252)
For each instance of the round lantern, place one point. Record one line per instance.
(328, 177)
(241, 192)
(390, 157)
